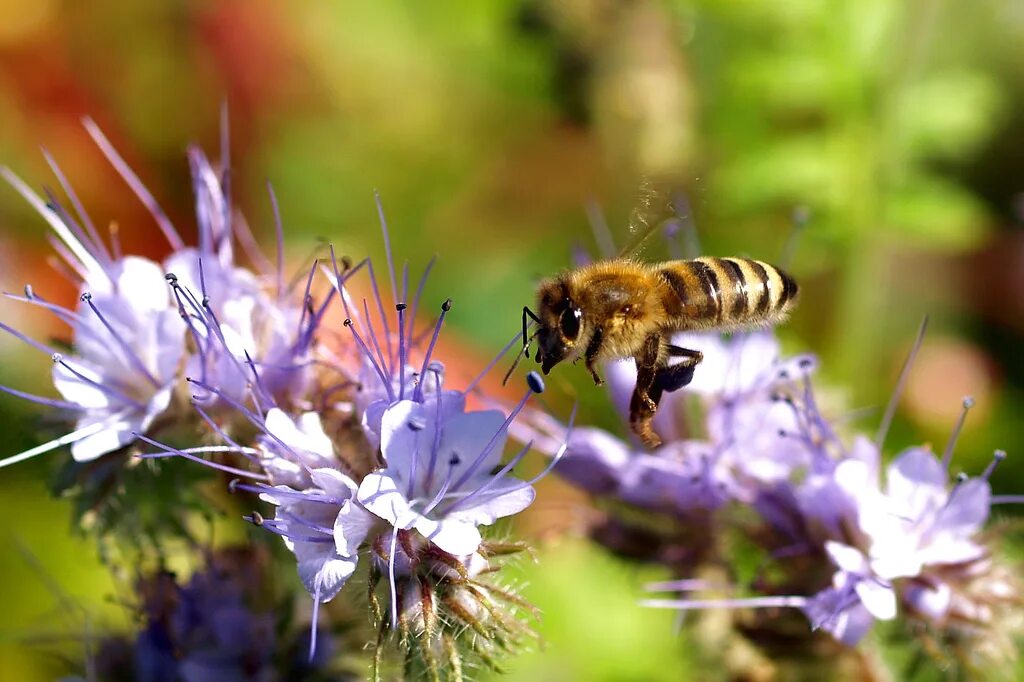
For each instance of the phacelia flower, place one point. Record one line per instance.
(134, 338)
(845, 548)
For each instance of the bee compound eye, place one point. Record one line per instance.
(569, 323)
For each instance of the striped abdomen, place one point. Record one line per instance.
(726, 292)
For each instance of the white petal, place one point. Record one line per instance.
(916, 483)
(76, 390)
(333, 482)
(380, 495)
(451, 535)
(509, 497)
(878, 599)
(142, 285)
(108, 440)
(351, 528)
(318, 563)
(847, 558)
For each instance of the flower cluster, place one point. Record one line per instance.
(140, 326)
(834, 538)
(225, 622)
(354, 441)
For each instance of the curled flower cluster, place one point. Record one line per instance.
(140, 326)
(835, 538)
(361, 452)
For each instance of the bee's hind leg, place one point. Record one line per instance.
(644, 403)
(674, 377)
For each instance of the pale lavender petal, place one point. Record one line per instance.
(380, 495)
(351, 527)
(930, 601)
(508, 497)
(916, 482)
(593, 461)
(946, 549)
(847, 558)
(452, 535)
(967, 509)
(878, 599)
(848, 625)
(334, 483)
(318, 563)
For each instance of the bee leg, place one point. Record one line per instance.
(674, 377)
(644, 403)
(593, 349)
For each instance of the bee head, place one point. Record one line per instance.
(561, 321)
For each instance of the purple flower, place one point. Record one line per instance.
(440, 475)
(756, 433)
(293, 448)
(127, 336)
(856, 598)
(134, 338)
(918, 523)
(322, 525)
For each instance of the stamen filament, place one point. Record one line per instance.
(213, 465)
(947, 453)
(445, 307)
(103, 388)
(373, 361)
(494, 441)
(128, 351)
(97, 242)
(81, 253)
(144, 195)
(890, 410)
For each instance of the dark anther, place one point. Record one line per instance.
(57, 357)
(783, 374)
(233, 486)
(962, 477)
(436, 366)
(782, 433)
(454, 460)
(400, 307)
(348, 322)
(86, 296)
(171, 277)
(28, 291)
(206, 301)
(805, 363)
(346, 263)
(255, 519)
(447, 305)
(417, 423)
(535, 382)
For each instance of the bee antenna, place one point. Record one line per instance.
(525, 352)
(526, 341)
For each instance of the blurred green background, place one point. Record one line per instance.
(895, 129)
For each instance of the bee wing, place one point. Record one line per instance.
(655, 206)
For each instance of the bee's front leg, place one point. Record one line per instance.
(591, 355)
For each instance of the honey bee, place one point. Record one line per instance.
(621, 308)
